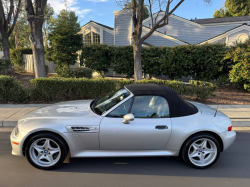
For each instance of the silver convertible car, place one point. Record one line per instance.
(137, 120)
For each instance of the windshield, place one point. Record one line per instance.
(104, 104)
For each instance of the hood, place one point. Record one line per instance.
(78, 108)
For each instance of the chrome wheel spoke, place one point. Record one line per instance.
(46, 144)
(38, 148)
(54, 150)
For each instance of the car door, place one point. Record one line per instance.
(150, 130)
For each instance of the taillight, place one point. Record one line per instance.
(230, 128)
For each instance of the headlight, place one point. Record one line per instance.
(16, 131)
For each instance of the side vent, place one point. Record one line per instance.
(79, 129)
(83, 129)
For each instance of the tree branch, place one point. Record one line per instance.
(2, 17)
(10, 12)
(164, 19)
(172, 11)
(29, 8)
(15, 18)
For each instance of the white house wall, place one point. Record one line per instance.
(233, 38)
(190, 33)
(108, 38)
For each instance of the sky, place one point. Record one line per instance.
(101, 11)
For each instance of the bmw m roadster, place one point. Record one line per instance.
(136, 120)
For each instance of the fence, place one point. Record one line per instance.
(1, 54)
(29, 64)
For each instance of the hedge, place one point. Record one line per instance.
(11, 90)
(74, 72)
(82, 88)
(202, 62)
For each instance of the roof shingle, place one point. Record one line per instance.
(222, 20)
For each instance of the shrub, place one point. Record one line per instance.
(202, 89)
(123, 60)
(202, 62)
(247, 87)
(16, 56)
(71, 88)
(97, 57)
(74, 73)
(11, 90)
(240, 73)
(4, 65)
(82, 88)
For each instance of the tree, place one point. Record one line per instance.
(35, 17)
(145, 11)
(233, 8)
(9, 11)
(64, 40)
(158, 20)
(20, 35)
(48, 12)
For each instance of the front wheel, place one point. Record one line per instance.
(201, 151)
(46, 151)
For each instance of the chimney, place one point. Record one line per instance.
(123, 27)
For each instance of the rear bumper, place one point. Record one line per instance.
(228, 137)
(17, 142)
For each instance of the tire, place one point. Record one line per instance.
(198, 155)
(46, 151)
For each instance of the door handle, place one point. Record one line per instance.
(161, 127)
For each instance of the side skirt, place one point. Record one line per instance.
(123, 153)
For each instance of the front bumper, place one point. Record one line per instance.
(17, 142)
(228, 138)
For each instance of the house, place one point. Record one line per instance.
(179, 31)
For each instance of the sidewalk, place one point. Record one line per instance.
(9, 113)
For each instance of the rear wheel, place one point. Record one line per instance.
(201, 151)
(46, 151)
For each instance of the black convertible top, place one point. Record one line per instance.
(177, 106)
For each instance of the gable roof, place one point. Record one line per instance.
(110, 28)
(222, 20)
(223, 35)
(167, 36)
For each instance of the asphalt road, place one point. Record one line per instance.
(232, 169)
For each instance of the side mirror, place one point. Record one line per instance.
(127, 118)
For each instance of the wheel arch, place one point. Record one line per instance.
(43, 131)
(205, 132)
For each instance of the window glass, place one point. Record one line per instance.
(87, 38)
(96, 38)
(121, 110)
(104, 104)
(150, 107)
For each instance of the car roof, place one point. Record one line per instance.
(177, 107)
(149, 89)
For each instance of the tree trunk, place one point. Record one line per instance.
(137, 61)
(36, 39)
(5, 45)
(16, 38)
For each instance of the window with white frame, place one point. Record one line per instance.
(96, 38)
(91, 38)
